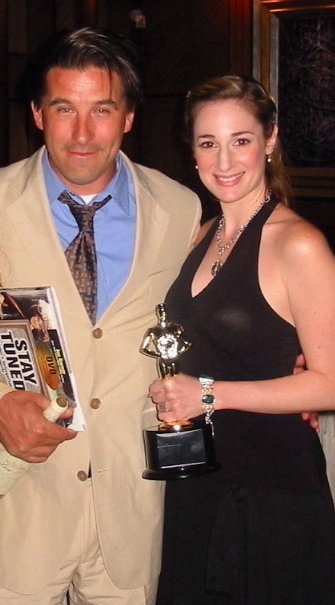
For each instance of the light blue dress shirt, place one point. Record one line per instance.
(114, 227)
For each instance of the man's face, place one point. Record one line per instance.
(83, 116)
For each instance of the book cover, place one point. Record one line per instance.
(33, 352)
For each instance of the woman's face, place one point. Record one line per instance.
(230, 148)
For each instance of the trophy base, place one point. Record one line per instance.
(176, 452)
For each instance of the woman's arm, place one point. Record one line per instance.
(307, 269)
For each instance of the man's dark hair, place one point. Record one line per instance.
(80, 49)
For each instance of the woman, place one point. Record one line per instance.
(258, 290)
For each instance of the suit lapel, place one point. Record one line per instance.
(32, 220)
(151, 225)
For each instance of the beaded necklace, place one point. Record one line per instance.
(221, 248)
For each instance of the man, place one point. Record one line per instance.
(84, 518)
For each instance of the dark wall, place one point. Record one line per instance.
(179, 42)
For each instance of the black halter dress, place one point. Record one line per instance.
(260, 531)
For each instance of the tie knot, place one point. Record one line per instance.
(82, 213)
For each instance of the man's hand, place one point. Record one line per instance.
(311, 417)
(24, 431)
(300, 365)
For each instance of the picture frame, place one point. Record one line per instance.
(294, 58)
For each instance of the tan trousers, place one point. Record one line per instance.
(83, 574)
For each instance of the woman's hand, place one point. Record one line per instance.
(177, 397)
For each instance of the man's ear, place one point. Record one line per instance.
(128, 121)
(37, 115)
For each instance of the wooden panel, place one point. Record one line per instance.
(18, 134)
(211, 40)
(17, 27)
(240, 36)
(184, 43)
(3, 83)
(65, 15)
(40, 22)
(165, 48)
(116, 13)
(161, 143)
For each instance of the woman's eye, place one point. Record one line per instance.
(241, 142)
(206, 144)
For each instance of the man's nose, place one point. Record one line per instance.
(83, 130)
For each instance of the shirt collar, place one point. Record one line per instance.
(118, 187)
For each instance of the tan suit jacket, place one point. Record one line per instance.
(39, 515)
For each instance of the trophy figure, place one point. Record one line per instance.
(175, 449)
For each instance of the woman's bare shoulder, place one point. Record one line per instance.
(294, 233)
(297, 236)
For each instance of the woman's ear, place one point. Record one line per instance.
(271, 141)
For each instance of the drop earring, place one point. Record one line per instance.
(196, 166)
(269, 159)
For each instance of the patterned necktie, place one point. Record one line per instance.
(81, 253)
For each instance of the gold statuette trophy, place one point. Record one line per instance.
(177, 449)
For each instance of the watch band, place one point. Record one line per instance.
(207, 398)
